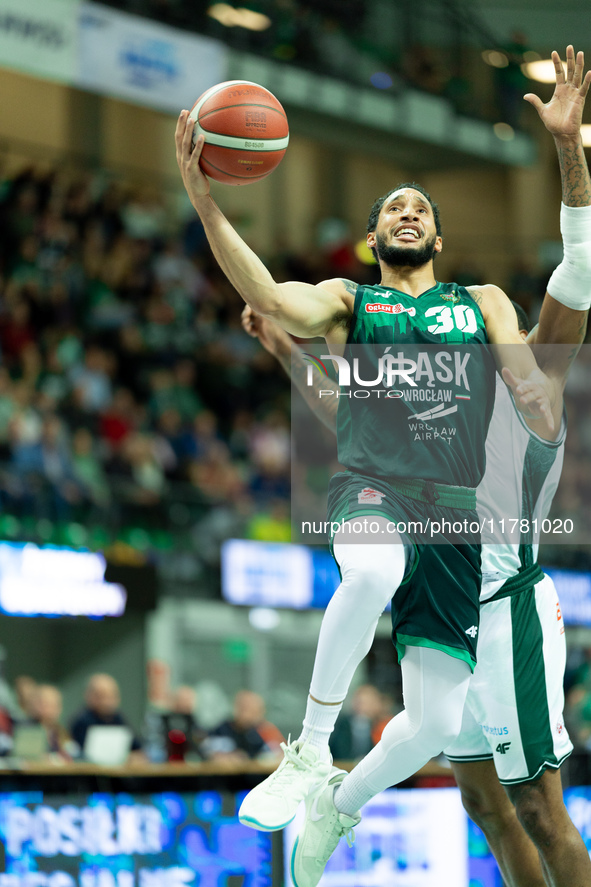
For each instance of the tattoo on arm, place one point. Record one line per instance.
(574, 175)
(349, 285)
(581, 336)
(476, 295)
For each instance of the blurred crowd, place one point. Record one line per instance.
(573, 497)
(177, 728)
(384, 46)
(578, 697)
(130, 395)
(128, 390)
(32, 728)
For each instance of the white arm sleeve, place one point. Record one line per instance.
(570, 282)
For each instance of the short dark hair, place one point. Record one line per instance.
(378, 204)
(523, 321)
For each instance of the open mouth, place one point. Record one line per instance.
(408, 234)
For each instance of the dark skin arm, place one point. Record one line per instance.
(278, 343)
(535, 394)
(562, 116)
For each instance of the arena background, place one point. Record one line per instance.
(123, 356)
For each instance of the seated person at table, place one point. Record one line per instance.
(46, 710)
(176, 731)
(24, 687)
(247, 734)
(103, 701)
(357, 731)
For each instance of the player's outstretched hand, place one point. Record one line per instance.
(531, 397)
(272, 337)
(187, 157)
(563, 114)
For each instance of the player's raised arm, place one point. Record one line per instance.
(300, 308)
(536, 395)
(563, 318)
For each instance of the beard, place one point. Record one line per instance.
(405, 256)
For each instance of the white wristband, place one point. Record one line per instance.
(570, 282)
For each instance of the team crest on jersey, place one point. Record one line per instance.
(450, 297)
(369, 496)
(376, 307)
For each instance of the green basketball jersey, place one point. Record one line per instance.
(417, 386)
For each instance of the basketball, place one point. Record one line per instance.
(246, 132)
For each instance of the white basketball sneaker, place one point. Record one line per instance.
(273, 803)
(323, 829)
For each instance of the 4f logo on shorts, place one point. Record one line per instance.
(503, 747)
(369, 496)
(472, 631)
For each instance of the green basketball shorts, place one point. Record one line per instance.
(437, 604)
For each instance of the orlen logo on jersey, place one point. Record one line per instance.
(369, 496)
(375, 307)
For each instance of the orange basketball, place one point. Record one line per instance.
(246, 132)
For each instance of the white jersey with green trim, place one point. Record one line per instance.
(516, 492)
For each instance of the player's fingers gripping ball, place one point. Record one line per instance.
(246, 132)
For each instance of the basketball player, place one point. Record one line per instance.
(435, 588)
(542, 808)
(515, 715)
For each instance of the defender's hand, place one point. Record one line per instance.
(187, 157)
(272, 337)
(531, 397)
(563, 114)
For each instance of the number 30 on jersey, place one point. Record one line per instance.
(460, 317)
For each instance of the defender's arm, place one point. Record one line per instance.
(291, 358)
(536, 395)
(563, 318)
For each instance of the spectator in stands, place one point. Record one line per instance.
(271, 523)
(184, 395)
(103, 701)
(357, 732)
(578, 699)
(46, 707)
(117, 420)
(216, 476)
(181, 735)
(203, 436)
(25, 687)
(6, 726)
(92, 379)
(16, 332)
(145, 469)
(247, 734)
(87, 470)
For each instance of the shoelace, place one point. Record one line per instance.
(349, 834)
(282, 774)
